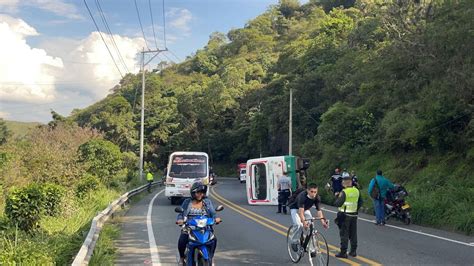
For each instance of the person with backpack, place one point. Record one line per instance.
(378, 187)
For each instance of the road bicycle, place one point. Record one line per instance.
(311, 241)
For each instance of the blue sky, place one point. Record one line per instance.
(58, 62)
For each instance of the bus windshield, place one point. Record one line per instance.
(188, 166)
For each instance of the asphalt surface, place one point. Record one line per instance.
(257, 235)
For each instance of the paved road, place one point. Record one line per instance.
(256, 235)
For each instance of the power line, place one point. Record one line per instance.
(102, 37)
(173, 54)
(167, 57)
(111, 36)
(152, 23)
(164, 24)
(141, 26)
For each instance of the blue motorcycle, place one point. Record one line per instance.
(201, 239)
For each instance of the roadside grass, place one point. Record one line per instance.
(440, 188)
(105, 250)
(59, 238)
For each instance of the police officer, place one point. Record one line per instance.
(149, 179)
(284, 192)
(349, 201)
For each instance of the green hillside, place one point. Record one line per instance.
(20, 129)
(376, 84)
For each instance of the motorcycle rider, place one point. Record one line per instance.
(197, 205)
(300, 210)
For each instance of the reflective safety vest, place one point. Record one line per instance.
(149, 177)
(352, 197)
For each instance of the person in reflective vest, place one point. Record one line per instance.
(349, 201)
(149, 179)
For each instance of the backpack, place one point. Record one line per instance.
(375, 193)
(292, 198)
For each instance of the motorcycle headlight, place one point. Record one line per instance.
(201, 223)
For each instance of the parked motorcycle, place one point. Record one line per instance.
(395, 205)
(201, 239)
(212, 179)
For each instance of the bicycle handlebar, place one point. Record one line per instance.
(314, 218)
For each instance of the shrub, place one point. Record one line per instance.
(87, 184)
(102, 158)
(53, 195)
(24, 206)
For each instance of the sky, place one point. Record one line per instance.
(53, 58)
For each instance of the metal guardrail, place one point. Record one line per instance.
(87, 248)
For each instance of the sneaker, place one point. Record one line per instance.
(313, 254)
(353, 254)
(341, 255)
(278, 212)
(294, 247)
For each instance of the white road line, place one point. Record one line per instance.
(155, 258)
(413, 231)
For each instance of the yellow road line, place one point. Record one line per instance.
(332, 247)
(283, 233)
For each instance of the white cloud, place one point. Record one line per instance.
(57, 7)
(180, 18)
(26, 73)
(97, 66)
(60, 73)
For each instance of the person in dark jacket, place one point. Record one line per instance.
(349, 201)
(197, 205)
(336, 180)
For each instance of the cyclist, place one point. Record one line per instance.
(300, 211)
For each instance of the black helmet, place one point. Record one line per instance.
(197, 187)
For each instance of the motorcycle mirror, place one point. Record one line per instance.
(178, 210)
(219, 208)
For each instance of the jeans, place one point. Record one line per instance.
(379, 211)
(283, 199)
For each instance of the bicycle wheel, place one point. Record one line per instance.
(295, 256)
(321, 250)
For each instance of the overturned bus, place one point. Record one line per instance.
(263, 174)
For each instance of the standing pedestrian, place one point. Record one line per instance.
(355, 180)
(284, 192)
(336, 180)
(149, 179)
(349, 201)
(378, 187)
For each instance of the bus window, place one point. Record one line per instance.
(188, 166)
(260, 179)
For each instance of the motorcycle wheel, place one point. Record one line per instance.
(200, 260)
(407, 218)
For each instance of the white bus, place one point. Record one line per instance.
(185, 168)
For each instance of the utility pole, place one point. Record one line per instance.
(290, 130)
(142, 120)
